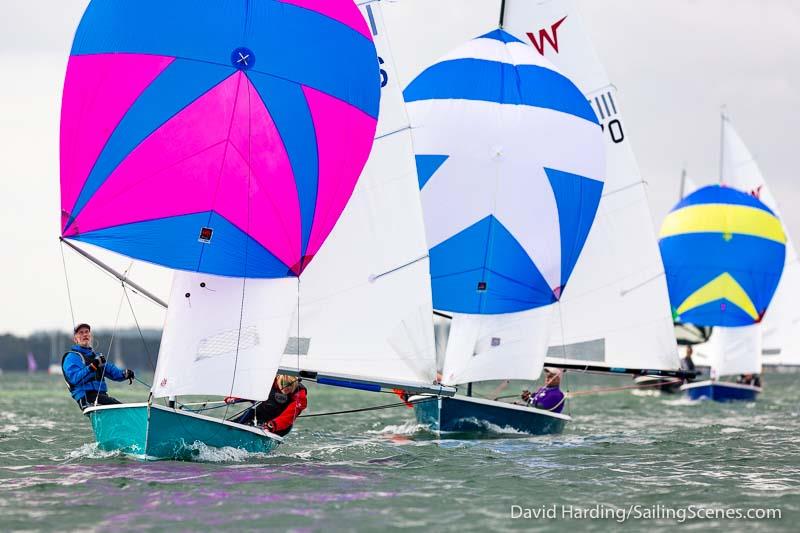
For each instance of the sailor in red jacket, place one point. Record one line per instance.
(287, 399)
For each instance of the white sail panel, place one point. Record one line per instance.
(505, 346)
(781, 323)
(365, 301)
(732, 351)
(617, 297)
(223, 336)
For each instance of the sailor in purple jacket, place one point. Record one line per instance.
(549, 397)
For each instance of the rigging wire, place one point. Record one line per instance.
(113, 332)
(372, 408)
(69, 292)
(139, 329)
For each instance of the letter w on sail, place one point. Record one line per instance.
(545, 36)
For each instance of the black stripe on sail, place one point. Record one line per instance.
(597, 101)
(611, 99)
(605, 103)
(372, 20)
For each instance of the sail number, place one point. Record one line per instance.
(384, 74)
(606, 109)
(615, 130)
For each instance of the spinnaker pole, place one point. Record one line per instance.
(123, 278)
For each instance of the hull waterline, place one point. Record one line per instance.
(156, 432)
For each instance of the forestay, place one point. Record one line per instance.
(365, 302)
(781, 324)
(510, 159)
(615, 311)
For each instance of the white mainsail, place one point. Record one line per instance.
(365, 302)
(615, 310)
(781, 324)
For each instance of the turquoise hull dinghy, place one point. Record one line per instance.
(153, 432)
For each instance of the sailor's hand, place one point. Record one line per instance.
(231, 400)
(526, 395)
(97, 365)
(129, 375)
(101, 357)
(270, 426)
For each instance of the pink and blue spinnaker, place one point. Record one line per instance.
(223, 136)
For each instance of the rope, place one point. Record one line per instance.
(365, 409)
(148, 385)
(113, 333)
(602, 390)
(627, 387)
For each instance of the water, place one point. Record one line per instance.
(379, 470)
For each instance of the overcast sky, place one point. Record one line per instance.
(675, 62)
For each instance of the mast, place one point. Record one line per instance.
(722, 144)
(683, 184)
(502, 12)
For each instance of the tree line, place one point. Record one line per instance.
(127, 348)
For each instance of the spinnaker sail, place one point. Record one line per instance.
(510, 160)
(723, 252)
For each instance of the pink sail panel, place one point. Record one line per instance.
(341, 158)
(202, 160)
(87, 122)
(336, 10)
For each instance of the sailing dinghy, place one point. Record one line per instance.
(225, 140)
(724, 252)
(511, 160)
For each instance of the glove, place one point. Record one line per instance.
(526, 395)
(231, 400)
(269, 426)
(129, 375)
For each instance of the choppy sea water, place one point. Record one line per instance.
(379, 470)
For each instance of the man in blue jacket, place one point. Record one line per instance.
(85, 371)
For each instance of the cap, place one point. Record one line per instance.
(552, 370)
(81, 326)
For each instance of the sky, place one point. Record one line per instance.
(675, 63)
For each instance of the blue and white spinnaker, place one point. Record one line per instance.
(511, 163)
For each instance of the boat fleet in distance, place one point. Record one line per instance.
(324, 221)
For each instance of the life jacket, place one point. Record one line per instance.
(275, 404)
(71, 386)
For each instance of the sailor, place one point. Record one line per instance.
(687, 364)
(749, 379)
(549, 397)
(85, 371)
(287, 399)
